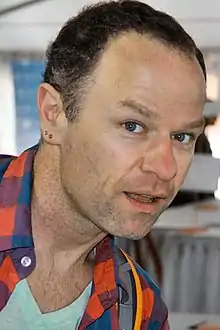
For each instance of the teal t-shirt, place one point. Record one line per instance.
(23, 313)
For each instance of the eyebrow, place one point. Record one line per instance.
(196, 124)
(145, 111)
(139, 108)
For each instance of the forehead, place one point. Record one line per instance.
(140, 67)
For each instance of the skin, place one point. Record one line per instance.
(141, 106)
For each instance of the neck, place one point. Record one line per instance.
(58, 227)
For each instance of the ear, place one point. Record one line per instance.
(53, 121)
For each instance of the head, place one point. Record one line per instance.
(123, 97)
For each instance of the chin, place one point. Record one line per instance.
(135, 228)
(132, 233)
(135, 236)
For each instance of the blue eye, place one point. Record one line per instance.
(133, 127)
(184, 138)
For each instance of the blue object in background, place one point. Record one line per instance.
(27, 77)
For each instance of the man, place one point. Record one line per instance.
(120, 110)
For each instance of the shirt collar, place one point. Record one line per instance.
(15, 201)
(106, 280)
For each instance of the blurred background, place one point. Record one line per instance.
(182, 253)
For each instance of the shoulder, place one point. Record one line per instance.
(4, 163)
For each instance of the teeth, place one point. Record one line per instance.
(142, 198)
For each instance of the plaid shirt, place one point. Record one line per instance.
(17, 256)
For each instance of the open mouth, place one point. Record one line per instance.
(141, 198)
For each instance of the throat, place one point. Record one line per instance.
(55, 291)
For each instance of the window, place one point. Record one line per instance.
(27, 76)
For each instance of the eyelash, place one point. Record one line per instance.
(191, 135)
(143, 127)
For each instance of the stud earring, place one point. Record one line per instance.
(45, 132)
(50, 136)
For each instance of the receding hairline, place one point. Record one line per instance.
(151, 37)
(114, 42)
(102, 61)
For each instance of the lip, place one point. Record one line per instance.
(147, 193)
(149, 208)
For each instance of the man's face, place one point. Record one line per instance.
(126, 157)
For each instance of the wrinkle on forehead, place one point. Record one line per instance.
(135, 64)
(133, 48)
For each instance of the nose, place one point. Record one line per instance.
(161, 161)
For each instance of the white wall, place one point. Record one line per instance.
(7, 110)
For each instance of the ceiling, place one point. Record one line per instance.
(31, 28)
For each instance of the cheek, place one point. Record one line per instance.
(184, 161)
(95, 163)
(81, 164)
(86, 168)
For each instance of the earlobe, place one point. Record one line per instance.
(48, 134)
